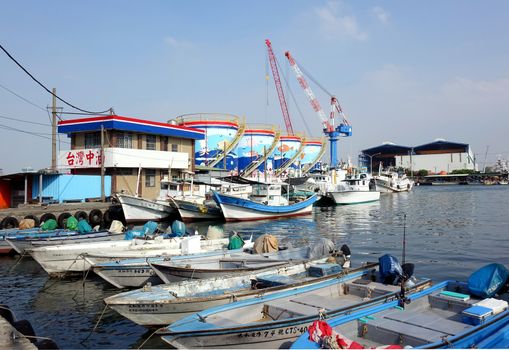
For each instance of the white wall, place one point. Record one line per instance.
(436, 163)
(123, 158)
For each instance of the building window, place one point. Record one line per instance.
(164, 143)
(92, 140)
(452, 160)
(124, 140)
(174, 147)
(460, 157)
(151, 142)
(150, 177)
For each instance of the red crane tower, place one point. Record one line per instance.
(279, 88)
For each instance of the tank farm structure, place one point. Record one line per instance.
(250, 149)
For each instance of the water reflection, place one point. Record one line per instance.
(450, 232)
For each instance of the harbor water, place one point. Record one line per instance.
(450, 231)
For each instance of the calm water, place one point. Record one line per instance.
(450, 232)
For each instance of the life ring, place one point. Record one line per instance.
(9, 222)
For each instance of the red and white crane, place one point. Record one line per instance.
(333, 133)
(279, 88)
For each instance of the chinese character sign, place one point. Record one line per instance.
(81, 158)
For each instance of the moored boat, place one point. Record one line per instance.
(275, 320)
(228, 264)
(138, 209)
(22, 242)
(266, 202)
(62, 259)
(450, 314)
(393, 182)
(355, 189)
(164, 304)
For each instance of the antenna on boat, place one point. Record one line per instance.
(404, 239)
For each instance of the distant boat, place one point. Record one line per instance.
(138, 209)
(393, 182)
(355, 189)
(266, 202)
(196, 209)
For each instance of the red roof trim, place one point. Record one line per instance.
(126, 119)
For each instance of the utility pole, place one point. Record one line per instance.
(103, 197)
(54, 132)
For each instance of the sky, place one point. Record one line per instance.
(405, 72)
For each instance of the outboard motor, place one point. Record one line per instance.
(390, 269)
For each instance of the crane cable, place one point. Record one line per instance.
(48, 90)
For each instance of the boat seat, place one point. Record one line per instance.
(413, 328)
(278, 310)
(430, 320)
(446, 303)
(371, 289)
(327, 303)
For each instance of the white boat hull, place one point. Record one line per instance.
(354, 197)
(235, 213)
(138, 209)
(58, 260)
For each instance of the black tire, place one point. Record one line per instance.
(35, 218)
(107, 219)
(95, 217)
(62, 219)
(6, 313)
(9, 222)
(81, 215)
(46, 344)
(25, 328)
(47, 216)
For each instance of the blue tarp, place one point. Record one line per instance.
(488, 280)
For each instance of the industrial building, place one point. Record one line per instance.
(439, 156)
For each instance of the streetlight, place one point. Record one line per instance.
(371, 161)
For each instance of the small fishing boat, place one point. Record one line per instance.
(267, 201)
(22, 242)
(450, 314)
(226, 264)
(393, 182)
(138, 209)
(196, 209)
(62, 259)
(5, 248)
(355, 189)
(137, 272)
(165, 304)
(275, 320)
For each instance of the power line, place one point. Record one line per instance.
(45, 88)
(21, 97)
(23, 121)
(38, 134)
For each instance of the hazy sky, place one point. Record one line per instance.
(404, 71)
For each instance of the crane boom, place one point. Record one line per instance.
(279, 88)
(327, 125)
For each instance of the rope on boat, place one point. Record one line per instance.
(146, 340)
(63, 276)
(18, 261)
(96, 324)
(36, 337)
